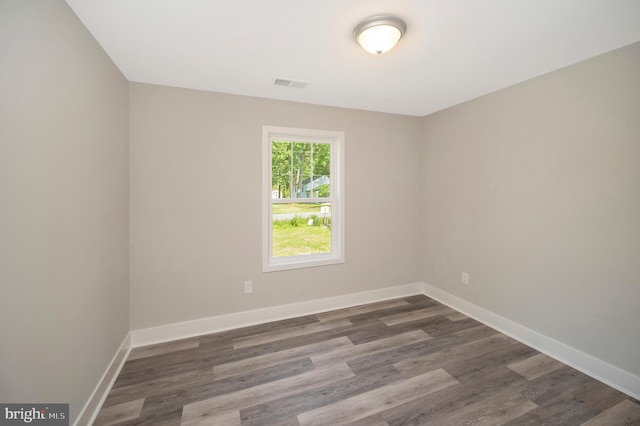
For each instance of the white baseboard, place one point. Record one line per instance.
(596, 368)
(99, 395)
(165, 333)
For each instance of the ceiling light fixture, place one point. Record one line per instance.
(380, 33)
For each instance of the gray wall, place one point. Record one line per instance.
(535, 192)
(63, 206)
(196, 205)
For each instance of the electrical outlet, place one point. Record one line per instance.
(248, 286)
(465, 278)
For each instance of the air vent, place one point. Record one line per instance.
(290, 83)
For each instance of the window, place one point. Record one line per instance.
(303, 198)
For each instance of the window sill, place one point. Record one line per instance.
(298, 262)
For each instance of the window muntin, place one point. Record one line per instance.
(303, 216)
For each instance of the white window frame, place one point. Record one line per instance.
(336, 140)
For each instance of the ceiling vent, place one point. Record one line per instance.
(291, 83)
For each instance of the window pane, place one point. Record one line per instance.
(320, 183)
(300, 169)
(281, 169)
(301, 228)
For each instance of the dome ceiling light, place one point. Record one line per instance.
(380, 33)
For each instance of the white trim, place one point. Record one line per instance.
(99, 395)
(600, 370)
(169, 332)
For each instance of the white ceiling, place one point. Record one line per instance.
(453, 50)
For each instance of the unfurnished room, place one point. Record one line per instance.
(319, 213)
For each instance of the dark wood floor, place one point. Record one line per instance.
(409, 361)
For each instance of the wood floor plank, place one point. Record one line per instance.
(397, 355)
(261, 361)
(238, 333)
(169, 417)
(448, 327)
(535, 366)
(440, 359)
(186, 393)
(413, 305)
(375, 401)
(477, 364)
(158, 386)
(163, 348)
(286, 333)
(456, 316)
(287, 421)
(624, 413)
(230, 418)
(376, 329)
(420, 299)
(361, 309)
(349, 353)
(565, 410)
(333, 333)
(431, 408)
(562, 381)
(599, 395)
(170, 364)
(277, 411)
(119, 413)
(497, 409)
(194, 380)
(375, 420)
(475, 333)
(235, 401)
(417, 315)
